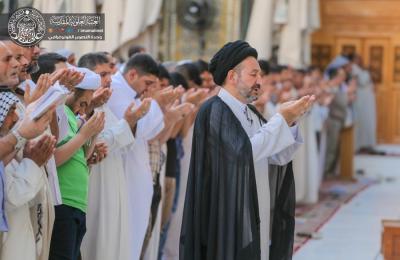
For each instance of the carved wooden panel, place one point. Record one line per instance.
(397, 115)
(348, 49)
(376, 63)
(321, 55)
(396, 65)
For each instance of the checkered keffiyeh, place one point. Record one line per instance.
(7, 100)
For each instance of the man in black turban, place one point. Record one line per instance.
(227, 203)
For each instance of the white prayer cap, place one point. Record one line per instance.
(91, 80)
(65, 52)
(7, 100)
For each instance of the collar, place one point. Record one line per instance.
(121, 82)
(231, 100)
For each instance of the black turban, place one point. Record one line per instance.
(228, 57)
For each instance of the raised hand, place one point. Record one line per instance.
(40, 150)
(29, 128)
(57, 75)
(71, 78)
(43, 84)
(100, 152)
(196, 96)
(93, 126)
(133, 113)
(166, 97)
(293, 110)
(100, 97)
(178, 111)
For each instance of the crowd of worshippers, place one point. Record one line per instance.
(103, 175)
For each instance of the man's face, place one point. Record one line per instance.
(249, 79)
(19, 55)
(8, 66)
(143, 82)
(105, 73)
(32, 55)
(207, 80)
(164, 82)
(9, 122)
(112, 63)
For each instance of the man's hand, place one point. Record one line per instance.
(43, 84)
(100, 152)
(40, 150)
(71, 78)
(178, 111)
(100, 97)
(166, 97)
(93, 126)
(57, 75)
(133, 113)
(293, 110)
(196, 96)
(30, 128)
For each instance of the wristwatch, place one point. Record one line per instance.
(21, 141)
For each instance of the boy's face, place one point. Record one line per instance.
(81, 104)
(10, 121)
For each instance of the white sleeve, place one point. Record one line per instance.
(117, 136)
(22, 182)
(272, 138)
(287, 154)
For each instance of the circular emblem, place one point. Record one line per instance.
(26, 26)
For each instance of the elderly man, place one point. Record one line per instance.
(227, 206)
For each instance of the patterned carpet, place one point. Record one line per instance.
(333, 194)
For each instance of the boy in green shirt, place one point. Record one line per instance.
(73, 172)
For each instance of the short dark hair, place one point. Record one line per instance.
(177, 79)
(143, 64)
(163, 72)
(265, 67)
(47, 64)
(92, 59)
(190, 72)
(135, 49)
(201, 65)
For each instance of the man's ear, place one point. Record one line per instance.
(132, 74)
(231, 76)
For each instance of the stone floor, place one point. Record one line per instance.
(354, 232)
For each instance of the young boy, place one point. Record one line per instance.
(73, 172)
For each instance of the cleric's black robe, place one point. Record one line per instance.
(221, 217)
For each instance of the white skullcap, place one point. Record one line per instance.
(65, 52)
(91, 80)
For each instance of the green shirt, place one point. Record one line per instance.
(73, 175)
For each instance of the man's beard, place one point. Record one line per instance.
(33, 67)
(250, 94)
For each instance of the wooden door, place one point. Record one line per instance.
(370, 28)
(376, 54)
